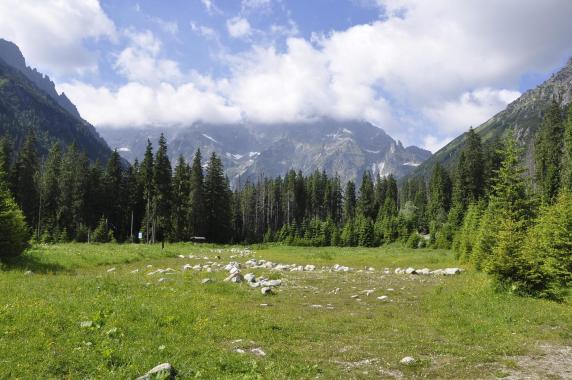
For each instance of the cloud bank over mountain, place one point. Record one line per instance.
(422, 71)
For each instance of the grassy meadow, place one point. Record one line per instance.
(75, 317)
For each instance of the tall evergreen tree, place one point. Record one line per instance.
(181, 199)
(366, 199)
(14, 233)
(162, 177)
(147, 183)
(567, 156)
(548, 153)
(217, 202)
(439, 194)
(197, 212)
(349, 201)
(5, 156)
(25, 174)
(113, 184)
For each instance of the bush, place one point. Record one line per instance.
(14, 233)
(414, 241)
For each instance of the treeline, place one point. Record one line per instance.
(485, 209)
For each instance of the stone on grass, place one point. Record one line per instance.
(206, 281)
(424, 271)
(271, 283)
(310, 268)
(383, 298)
(187, 267)
(410, 270)
(258, 352)
(451, 271)
(266, 290)
(250, 277)
(28, 273)
(111, 270)
(408, 360)
(162, 371)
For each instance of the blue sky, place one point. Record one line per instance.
(423, 70)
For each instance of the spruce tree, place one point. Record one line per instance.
(50, 194)
(548, 153)
(197, 213)
(25, 175)
(5, 155)
(366, 199)
(14, 233)
(567, 156)
(349, 201)
(511, 202)
(162, 177)
(147, 183)
(217, 202)
(113, 185)
(181, 198)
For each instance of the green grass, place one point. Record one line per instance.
(456, 327)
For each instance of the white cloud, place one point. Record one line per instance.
(451, 64)
(51, 33)
(238, 27)
(205, 31)
(210, 7)
(470, 110)
(137, 105)
(140, 61)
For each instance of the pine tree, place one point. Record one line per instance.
(197, 213)
(511, 202)
(147, 183)
(25, 173)
(474, 167)
(14, 233)
(567, 156)
(162, 177)
(181, 199)
(50, 193)
(5, 155)
(113, 185)
(349, 201)
(439, 194)
(366, 199)
(547, 269)
(548, 153)
(217, 202)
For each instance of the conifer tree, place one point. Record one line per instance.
(113, 185)
(181, 198)
(197, 213)
(25, 174)
(567, 156)
(50, 193)
(162, 177)
(511, 202)
(5, 155)
(147, 183)
(217, 202)
(548, 153)
(14, 233)
(366, 199)
(349, 201)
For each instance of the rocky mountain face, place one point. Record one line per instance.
(250, 151)
(29, 101)
(12, 55)
(523, 116)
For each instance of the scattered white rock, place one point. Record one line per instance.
(250, 277)
(271, 283)
(310, 268)
(258, 352)
(451, 271)
(367, 292)
(28, 273)
(181, 257)
(135, 271)
(86, 324)
(266, 290)
(206, 281)
(187, 267)
(410, 270)
(163, 279)
(408, 360)
(383, 298)
(239, 350)
(111, 270)
(355, 296)
(163, 371)
(424, 271)
(316, 306)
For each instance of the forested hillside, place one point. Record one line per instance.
(25, 108)
(522, 117)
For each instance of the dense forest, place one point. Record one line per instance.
(486, 209)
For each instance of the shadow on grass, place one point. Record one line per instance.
(27, 262)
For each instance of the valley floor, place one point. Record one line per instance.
(107, 311)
